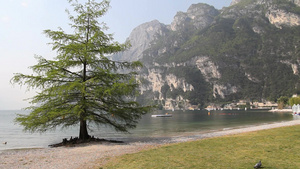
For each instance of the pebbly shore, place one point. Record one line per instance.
(93, 155)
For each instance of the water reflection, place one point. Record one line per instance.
(204, 121)
(182, 122)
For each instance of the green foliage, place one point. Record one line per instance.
(288, 6)
(193, 76)
(243, 3)
(82, 86)
(252, 55)
(258, 64)
(282, 101)
(164, 89)
(294, 100)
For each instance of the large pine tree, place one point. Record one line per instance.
(81, 86)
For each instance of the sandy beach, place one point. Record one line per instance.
(93, 155)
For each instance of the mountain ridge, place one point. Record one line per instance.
(248, 50)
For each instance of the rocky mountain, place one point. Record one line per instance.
(140, 39)
(197, 16)
(249, 50)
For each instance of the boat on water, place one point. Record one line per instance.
(296, 109)
(161, 115)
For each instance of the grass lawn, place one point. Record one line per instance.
(276, 148)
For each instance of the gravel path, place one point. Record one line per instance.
(91, 155)
(66, 157)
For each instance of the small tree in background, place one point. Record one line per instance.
(81, 86)
(294, 100)
(282, 101)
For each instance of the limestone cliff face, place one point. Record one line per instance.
(297, 2)
(223, 90)
(208, 68)
(176, 83)
(276, 15)
(140, 39)
(294, 66)
(157, 81)
(279, 18)
(211, 74)
(198, 15)
(233, 2)
(244, 51)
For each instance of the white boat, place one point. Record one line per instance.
(162, 115)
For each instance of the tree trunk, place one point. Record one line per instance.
(83, 133)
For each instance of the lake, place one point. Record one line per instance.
(181, 123)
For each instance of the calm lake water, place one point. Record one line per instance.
(182, 123)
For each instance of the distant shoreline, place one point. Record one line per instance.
(93, 155)
(281, 110)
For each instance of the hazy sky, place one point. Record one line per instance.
(23, 21)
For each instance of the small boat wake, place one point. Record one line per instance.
(162, 115)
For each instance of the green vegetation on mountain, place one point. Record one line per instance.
(253, 55)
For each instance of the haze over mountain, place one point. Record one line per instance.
(249, 50)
